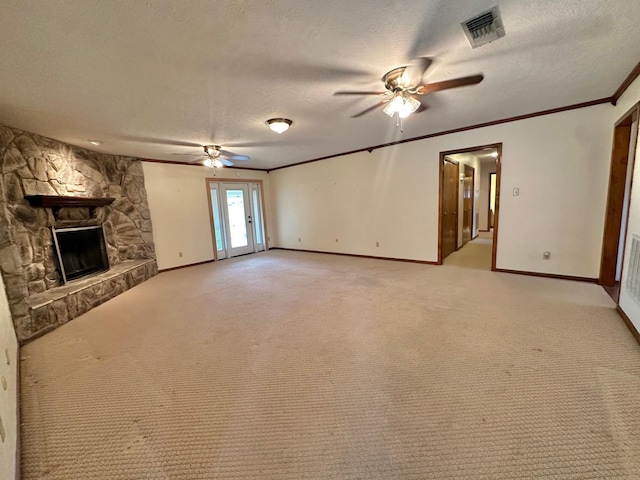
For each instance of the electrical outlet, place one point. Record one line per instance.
(516, 192)
(546, 255)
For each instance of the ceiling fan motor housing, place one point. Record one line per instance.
(213, 151)
(393, 79)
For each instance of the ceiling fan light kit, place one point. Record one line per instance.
(213, 163)
(402, 104)
(279, 125)
(402, 84)
(215, 157)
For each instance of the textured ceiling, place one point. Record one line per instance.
(154, 78)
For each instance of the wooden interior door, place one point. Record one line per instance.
(467, 204)
(449, 221)
(621, 155)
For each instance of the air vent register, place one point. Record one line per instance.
(484, 28)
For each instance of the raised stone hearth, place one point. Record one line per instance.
(55, 307)
(34, 166)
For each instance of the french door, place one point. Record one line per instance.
(237, 218)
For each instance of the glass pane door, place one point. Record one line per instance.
(218, 226)
(238, 219)
(256, 204)
(236, 211)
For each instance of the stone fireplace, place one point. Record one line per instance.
(47, 186)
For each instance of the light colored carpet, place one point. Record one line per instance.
(474, 254)
(288, 365)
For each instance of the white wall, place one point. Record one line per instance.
(385, 196)
(178, 202)
(8, 397)
(560, 162)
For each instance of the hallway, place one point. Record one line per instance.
(476, 254)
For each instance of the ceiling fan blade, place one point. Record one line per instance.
(158, 141)
(233, 156)
(250, 144)
(195, 157)
(225, 162)
(447, 84)
(421, 108)
(367, 110)
(414, 72)
(358, 93)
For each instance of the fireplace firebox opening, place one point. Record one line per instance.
(81, 251)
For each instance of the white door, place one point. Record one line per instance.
(236, 207)
(256, 208)
(218, 221)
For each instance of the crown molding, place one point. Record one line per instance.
(625, 84)
(457, 130)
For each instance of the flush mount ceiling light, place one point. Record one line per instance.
(279, 125)
(95, 142)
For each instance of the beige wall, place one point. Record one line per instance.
(560, 163)
(179, 207)
(8, 398)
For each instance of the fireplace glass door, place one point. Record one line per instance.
(81, 251)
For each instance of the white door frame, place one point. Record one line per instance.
(246, 224)
(253, 184)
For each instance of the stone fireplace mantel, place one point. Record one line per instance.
(56, 202)
(67, 201)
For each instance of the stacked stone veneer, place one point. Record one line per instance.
(34, 165)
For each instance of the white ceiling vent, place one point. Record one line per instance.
(484, 28)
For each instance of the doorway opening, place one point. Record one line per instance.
(469, 206)
(625, 136)
(492, 201)
(237, 217)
